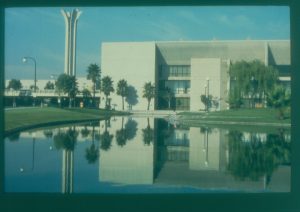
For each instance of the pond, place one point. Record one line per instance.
(147, 155)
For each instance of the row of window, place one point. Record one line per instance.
(182, 103)
(175, 71)
(176, 86)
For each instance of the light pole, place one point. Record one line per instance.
(25, 59)
(206, 106)
(32, 158)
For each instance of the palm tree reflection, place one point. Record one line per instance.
(106, 138)
(148, 134)
(92, 153)
(66, 140)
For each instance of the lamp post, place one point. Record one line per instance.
(25, 59)
(206, 106)
(22, 169)
(206, 152)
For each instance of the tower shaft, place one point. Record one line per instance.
(70, 40)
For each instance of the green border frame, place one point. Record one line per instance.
(285, 202)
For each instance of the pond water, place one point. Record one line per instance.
(147, 155)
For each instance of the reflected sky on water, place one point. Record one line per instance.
(141, 155)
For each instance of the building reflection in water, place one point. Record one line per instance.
(149, 151)
(132, 163)
(190, 157)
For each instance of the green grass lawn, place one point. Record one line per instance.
(251, 116)
(26, 117)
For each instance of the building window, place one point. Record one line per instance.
(178, 86)
(175, 71)
(182, 103)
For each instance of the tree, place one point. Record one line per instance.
(14, 137)
(49, 86)
(167, 94)
(15, 85)
(131, 129)
(149, 92)
(207, 101)
(32, 87)
(48, 133)
(85, 132)
(86, 95)
(132, 97)
(107, 88)
(67, 84)
(66, 140)
(254, 158)
(148, 134)
(235, 99)
(280, 99)
(251, 80)
(121, 136)
(91, 154)
(94, 74)
(122, 90)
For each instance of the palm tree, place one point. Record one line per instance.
(122, 90)
(91, 154)
(94, 74)
(107, 88)
(66, 140)
(67, 84)
(85, 132)
(121, 136)
(148, 134)
(86, 94)
(149, 92)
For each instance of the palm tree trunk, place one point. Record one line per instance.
(122, 102)
(106, 102)
(70, 104)
(148, 105)
(94, 93)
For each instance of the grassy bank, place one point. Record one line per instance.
(24, 118)
(259, 117)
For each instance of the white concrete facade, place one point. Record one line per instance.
(132, 163)
(141, 62)
(134, 62)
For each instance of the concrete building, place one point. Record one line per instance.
(71, 19)
(189, 68)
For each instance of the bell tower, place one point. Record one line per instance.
(71, 19)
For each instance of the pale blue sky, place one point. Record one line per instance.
(40, 32)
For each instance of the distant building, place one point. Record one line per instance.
(189, 68)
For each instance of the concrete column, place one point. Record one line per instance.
(70, 40)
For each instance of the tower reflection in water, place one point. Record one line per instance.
(130, 151)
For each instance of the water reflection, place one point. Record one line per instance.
(255, 155)
(147, 155)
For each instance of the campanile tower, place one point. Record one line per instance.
(71, 19)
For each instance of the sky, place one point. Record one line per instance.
(40, 32)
